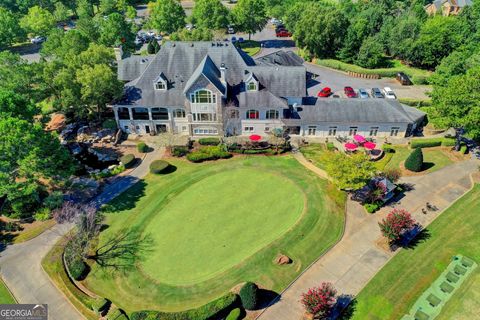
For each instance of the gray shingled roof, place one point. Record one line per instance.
(262, 99)
(280, 58)
(179, 61)
(132, 67)
(340, 110)
(209, 70)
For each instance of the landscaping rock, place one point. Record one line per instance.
(282, 260)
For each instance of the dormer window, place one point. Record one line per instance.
(252, 86)
(160, 85)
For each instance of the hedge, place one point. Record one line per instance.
(414, 161)
(179, 151)
(387, 148)
(415, 102)
(76, 268)
(235, 314)
(249, 295)
(128, 160)
(159, 166)
(208, 153)
(371, 207)
(142, 147)
(216, 309)
(209, 141)
(100, 305)
(433, 142)
(417, 76)
(463, 149)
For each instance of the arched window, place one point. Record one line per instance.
(252, 114)
(140, 113)
(159, 114)
(160, 85)
(203, 96)
(179, 113)
(271, 114)
(252, 86)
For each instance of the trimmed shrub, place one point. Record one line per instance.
(463, 149)
(209, 141)
(99, 305)
(330, 146)
(208, 153)
(249, 295)
(128, 160)
(235, 314)
(371, 207)
(42, 214)
(417, 79)
(388, 148)
(142, 147)
(109, 124)
(414, 161)
(217, 309)
(54, 200)
(448, 142)
(76, 268)
(179, 151)
(159, 166)
(416, 102)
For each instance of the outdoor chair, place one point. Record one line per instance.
(466, 262)
(446, 287)
(433, 300)
(460, 270)
(420, 315)
(452, 278)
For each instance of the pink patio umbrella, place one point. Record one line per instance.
(369, 145)
(350, 146)
(359, 138)
(255, 137)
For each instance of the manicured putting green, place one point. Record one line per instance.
(218, 222)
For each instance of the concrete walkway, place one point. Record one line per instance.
(358, 257)
(310, 166)
(20, 264)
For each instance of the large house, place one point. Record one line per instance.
(215, 89)
(446, 7)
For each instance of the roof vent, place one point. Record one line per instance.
(191, 44)
(173, 44)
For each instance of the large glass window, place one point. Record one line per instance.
(159, 113)
(179, 113)
(251, 86)
(203, 96)
(140, 113)
(252, 114)
(272, 114)
(204, 117)
(205, 131)
(123, 113)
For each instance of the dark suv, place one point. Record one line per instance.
(376, 93)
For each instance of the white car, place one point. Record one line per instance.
(389, 94)
(38, 40)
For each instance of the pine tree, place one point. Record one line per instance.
(414, 161)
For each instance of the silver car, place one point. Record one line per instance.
(362, 93)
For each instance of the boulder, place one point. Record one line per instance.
(282, 259)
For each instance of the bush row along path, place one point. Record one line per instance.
(20, 264)
(353, 261)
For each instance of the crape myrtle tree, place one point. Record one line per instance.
(250, 16)
(395, 224)
(319, 301)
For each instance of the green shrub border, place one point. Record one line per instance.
(432, 142)
(209, 141)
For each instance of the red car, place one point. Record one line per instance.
(349, 92)
(325, 92)
(283, 33)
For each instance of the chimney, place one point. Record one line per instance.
(118, 53)
(223, 77)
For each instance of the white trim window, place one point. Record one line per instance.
(205, 131)
(394, 131)
(252, 114)
(204, 117)
(252, 86)
(203, 96)
(179, 113)
(373, 131)
(352, 131)
(332, 131)
(312, 130)
(248, 129)
(271, 114)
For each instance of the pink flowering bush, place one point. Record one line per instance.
(320, 300)
(397, 222)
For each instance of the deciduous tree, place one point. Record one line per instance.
(166, 15)
(8, 28)
(38, 21)
(210, 14)
(396, 223)
(250, 16)
(319, 301)
(349, 172)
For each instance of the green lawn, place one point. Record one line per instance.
(314, 153)
(5, 296)
(250, 47)
(217, 224)
(433, 158)
(393, 291)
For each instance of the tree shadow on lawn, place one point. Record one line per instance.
(412, 238)
(128, 199)
(344, 308)
(267, 298)
(427, 165)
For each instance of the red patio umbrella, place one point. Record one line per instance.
(359, 138)
(350, 146)
(255, 137)
(369, 145)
